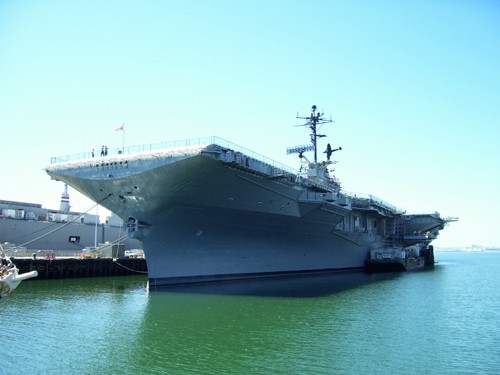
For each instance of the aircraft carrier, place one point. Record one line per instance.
(207, 210)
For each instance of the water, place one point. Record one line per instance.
(443, 321)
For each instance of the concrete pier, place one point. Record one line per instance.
(62, 268)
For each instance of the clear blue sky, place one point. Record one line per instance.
(413, 87)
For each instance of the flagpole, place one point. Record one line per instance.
(122, 129)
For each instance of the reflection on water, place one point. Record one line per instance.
(438, 321)
(224, 327)
(293, 286)
(92, 324)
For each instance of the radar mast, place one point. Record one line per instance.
(316, 118)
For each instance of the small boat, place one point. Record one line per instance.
(410, 258)
(10, 277)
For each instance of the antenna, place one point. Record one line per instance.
(315, 119)
(299, 149)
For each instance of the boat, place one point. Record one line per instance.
(207, 210)
(411, 258)
(9, 275)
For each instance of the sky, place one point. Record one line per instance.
(413, 88)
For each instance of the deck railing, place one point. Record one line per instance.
(169, 145)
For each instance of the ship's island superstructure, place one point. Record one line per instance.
(209, 210)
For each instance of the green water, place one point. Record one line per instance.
(443, 321)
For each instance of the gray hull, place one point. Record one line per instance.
(201, 219)
(208, 244)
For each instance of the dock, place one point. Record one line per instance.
(64, 268)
